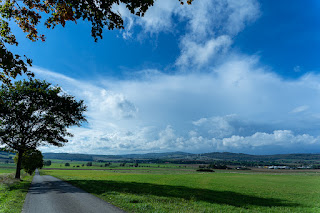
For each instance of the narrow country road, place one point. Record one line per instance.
(48, 194)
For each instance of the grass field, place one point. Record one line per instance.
(7, 170)
(177, 190)
(60, 164)
(12, 192)
(7, 165)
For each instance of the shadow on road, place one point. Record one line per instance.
(210, 196)
(53, 186)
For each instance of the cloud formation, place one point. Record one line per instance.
(236, 105)
(210, 26)
(239, 106)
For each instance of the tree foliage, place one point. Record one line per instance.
(27, 14)
(31, 160)
(34, 113)
(47, 163)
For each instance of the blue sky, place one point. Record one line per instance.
(235, 76)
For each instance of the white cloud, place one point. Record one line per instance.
(282, 141)
(210, 25)
(300, 109)
(159, 18)
(218, 127)
(113, 104)
(234, 105)
(193, 53)
(241, 13)
(238, 106)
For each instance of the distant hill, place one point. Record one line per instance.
(166, 155)
(224, 156)
(5, 156)
(67, 156)
(246, 157)
(89, 157)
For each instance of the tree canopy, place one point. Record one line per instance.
(27, 14)
(34, 113)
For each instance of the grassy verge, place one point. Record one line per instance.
(13, 192)
(199, 192)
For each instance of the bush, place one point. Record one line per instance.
(205, 170)
(47, 163)
(67, 164)
(31, 160)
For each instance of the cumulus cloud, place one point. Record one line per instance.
(112, 104)
(238, 106)
(234, 105)
(194, 53)
(285, 141)
(210, 26)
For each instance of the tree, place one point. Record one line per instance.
(89, 164)
(31, 160)
(34, 113)
(47, 163)
(67, 164)
(27, 14)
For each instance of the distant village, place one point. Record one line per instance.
(285, 167)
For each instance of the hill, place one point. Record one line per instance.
(214, 156)
(89, 157)
(6, 156)
(246, 157)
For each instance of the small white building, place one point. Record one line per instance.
(278, 167)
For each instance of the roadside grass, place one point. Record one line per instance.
(185, 191)
(13, 192)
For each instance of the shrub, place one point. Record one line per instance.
(205, 170)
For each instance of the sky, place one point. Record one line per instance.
(216, 76)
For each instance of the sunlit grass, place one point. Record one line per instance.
(61, 164)
(7, 170)
(12, 192)
(185, 191)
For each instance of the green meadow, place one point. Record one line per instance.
(185, 190)
(61, 164)
(12, 192)
(6, 170)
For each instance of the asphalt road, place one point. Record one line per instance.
(48, 194)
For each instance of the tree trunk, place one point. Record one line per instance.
(18, 169)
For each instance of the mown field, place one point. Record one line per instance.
(12, 192)
(184, 190)
(61, 164)
(7, 170)
(7, 165)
